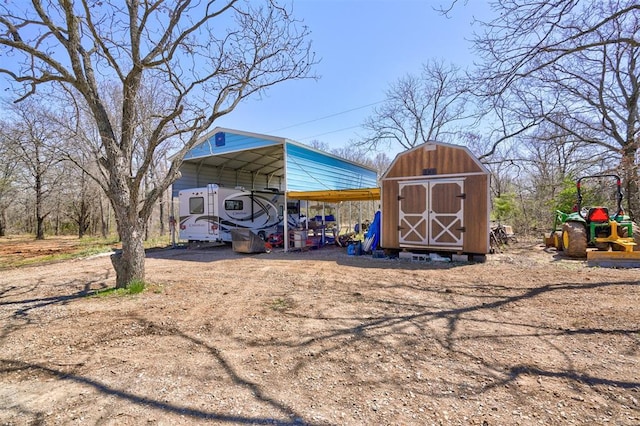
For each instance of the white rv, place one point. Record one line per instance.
(209, 214)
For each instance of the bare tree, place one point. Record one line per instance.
(8, 168)
(320, 145)
(381, 162)
(34, 147)
(573, 64)
(552, 159)
(419, 108)
(80, 203)
(206, 57)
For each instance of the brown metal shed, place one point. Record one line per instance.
(436, 197)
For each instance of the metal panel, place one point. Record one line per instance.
(311, 170)
(259, 161)
(234, 142)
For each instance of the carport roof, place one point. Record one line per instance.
(307, 173)
(363, 194)
(248, 152)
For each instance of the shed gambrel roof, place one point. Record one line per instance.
(434, 158)
(237, 158)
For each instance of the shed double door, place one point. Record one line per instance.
(431, 213)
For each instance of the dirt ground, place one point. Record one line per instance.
(322, 338)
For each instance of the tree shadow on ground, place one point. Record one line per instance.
(368, 330)
(374, 330)
(20, 316)
(9, 366)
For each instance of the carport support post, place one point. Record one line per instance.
(323, 224)
(285, 227)
(336, 230)
(172, 222)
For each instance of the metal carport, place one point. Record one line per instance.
(255, 161)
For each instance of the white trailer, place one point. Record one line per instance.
(209, 214)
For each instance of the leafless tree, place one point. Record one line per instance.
(8, 168)
(319, 145)
(552, 160)
(419, 108)
(34, 146)
(79, 204)
(356, 153)
(205, 56)
(573, 64)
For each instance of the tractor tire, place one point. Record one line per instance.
(574, 239)
(557, 237)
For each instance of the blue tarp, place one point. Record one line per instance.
(372, 237)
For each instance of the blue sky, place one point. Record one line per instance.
(364, 46)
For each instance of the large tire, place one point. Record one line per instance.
(574, 239)
(557, 237)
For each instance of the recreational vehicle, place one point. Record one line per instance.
(209, 214)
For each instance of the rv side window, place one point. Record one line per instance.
(293, 208)
(233, 204)
(196, 205)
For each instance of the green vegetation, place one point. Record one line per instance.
(504, 207)
(566, 198)
(594, 193)
(134, 287)
(280, 304)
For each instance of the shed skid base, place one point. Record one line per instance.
(414, 257)
(614, 259)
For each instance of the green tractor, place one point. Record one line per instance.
(611, 234)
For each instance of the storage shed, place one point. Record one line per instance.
(435, 197)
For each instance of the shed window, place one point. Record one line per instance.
(233, 204)
(196, 205)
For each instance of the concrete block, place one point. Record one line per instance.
(459, 258)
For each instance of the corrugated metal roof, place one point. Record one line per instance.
(312, 170)
(236, 158)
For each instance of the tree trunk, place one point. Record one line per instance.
(83, 217)
(3, 221)
(129, 262)
(104, 225)
(39, 215)
(631, 184)
(161, 202)
(39, 228)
